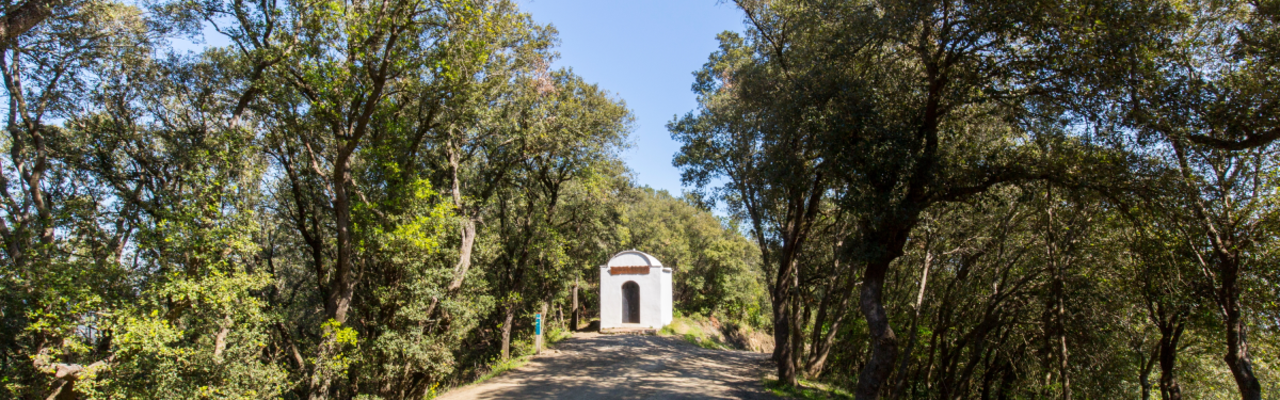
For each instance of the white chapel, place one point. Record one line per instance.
(635, 291)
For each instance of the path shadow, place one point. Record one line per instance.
(630, 367)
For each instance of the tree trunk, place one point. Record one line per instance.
(801, 317)
(1237, 356)
(341, 286)
(815, 335)
(818, 357)
(1006, 383)
(884, 344)
(801, 212)
(1057, 290)
(1228, 293)
(467, 228)
(915, 319)
(468, 232)
(322, 375)
(506, 332)
(1144, 376)
(573, 317)
(782, 340)
(988, 376)
(889, 240)
(1062, 366)
(822, 348)
(1170, 334)
(782, 319)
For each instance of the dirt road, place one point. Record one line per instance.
(593, 366)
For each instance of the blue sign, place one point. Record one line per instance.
(537, 324)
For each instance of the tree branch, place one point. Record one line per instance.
(1250, 141)
(22, 19)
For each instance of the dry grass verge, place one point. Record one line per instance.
(710, 333)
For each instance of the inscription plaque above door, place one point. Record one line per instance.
(640, 270)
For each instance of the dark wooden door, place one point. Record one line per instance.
(630, 303)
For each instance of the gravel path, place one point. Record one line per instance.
(594, 366)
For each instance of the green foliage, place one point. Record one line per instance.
(807, 390)
(716, 270)
(267, 219)
(371, 200)
(498, 367)
(1000, 191)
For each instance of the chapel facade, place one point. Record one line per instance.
(635, 291)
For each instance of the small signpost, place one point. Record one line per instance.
(537, 332)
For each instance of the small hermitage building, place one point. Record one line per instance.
(635, 290)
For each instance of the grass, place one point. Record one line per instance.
(691, 331)
(704, 342)
(807, 390)
(553, 336)
(500, 367)
(497, 368)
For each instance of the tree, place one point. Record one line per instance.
(1200, 85)
(916, 109)
(568, 130)
(717, 269)
(753, 137)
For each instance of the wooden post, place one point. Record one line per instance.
(537, 349)
(573, 318)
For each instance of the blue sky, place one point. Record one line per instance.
(644, 52)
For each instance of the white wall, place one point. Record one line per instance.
(610, 299)
(665, 297)
(650, 297)
(655, 292)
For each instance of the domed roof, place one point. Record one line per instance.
(633, 258)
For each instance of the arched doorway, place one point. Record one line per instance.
(630, 303)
